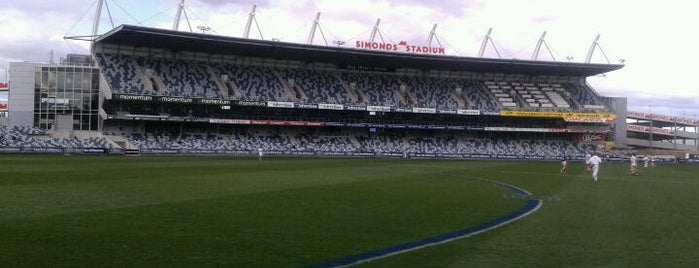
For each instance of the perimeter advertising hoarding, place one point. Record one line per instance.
(568, 117)
(3, 106)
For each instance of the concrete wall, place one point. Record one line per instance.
(21, 97)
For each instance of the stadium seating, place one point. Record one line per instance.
(317, 86)
(24, 137)
(186, 77)
(294, 140)
(476, 92)
(587, 99)
(120, 74)
(431, 92)
(380, 90)
(195, 79)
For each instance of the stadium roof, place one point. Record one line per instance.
(139, 36)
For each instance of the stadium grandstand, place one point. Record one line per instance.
(146, 90)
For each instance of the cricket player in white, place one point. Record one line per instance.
(595, 161)
(259, 153)
(646, 159)
(587, 163)
(633, 170)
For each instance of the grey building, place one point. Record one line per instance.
(54, 96)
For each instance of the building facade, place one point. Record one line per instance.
(54, 96)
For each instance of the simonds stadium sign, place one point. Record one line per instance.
(402, 46)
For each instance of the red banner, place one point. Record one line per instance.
(3, 106)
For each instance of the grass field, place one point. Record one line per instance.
(96, 211)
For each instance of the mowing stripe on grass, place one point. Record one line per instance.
(530, 207)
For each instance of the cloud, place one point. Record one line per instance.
(42, 6)
(28, 39)
(451, 7)
(245, 3)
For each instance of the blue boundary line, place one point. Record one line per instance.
(530, 207)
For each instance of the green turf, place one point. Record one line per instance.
(239, 212)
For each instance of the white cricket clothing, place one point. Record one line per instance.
(633, 161)
(595, 162)
(587, 159)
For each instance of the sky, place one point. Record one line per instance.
(655, 39)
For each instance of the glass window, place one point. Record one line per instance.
(95, 81)
(45, 80)
(37, 79)
(94, 103)
(69, 81)
(52, 80)
(61, 81)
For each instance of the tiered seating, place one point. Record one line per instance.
(431, 92)
(542, 95)
(255, 82)
(585, 97)
(120, 73)
(189, 78)
(290, 141)
(318, 86)
(181, 78)
(324, 144)
(23, 137)
(381, 144)
(379, 89)
(503, 94)
(476, 92)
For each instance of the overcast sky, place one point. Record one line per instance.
(656, 39)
